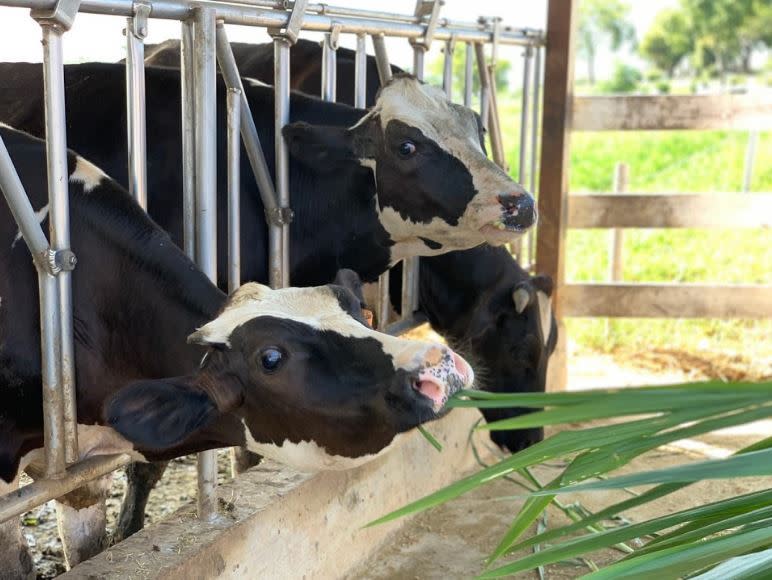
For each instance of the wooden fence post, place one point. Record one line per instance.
(616, 237)
(553, 179)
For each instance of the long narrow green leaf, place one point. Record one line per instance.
(678, 394)
(531, 510)
(704, 528)
(590, 542)
(610, 457)
(756, 463)
(647, 496)
(559, 445)
(680, 560)
(756, 566)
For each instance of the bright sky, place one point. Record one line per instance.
(99, 37)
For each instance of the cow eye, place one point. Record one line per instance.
(271, 359)
(407, 149)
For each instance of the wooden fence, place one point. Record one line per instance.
(558, 210)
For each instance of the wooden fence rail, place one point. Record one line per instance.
(672, 112)
(641, 300)
(691, 210)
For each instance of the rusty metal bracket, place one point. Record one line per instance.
(62, 15)
(291, 31)
(424, 9)
(279, 216)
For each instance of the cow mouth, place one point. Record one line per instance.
(436, 391)
(500, 231)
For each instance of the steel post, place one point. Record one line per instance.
(360, 73)
(234, 189)
(188, 140)
(381, 58)
(468, 74)
(535, 107)
(527, 54)
(135, 110)
(205, 128)
(63, 433)
(230, 73)
(490, 111)
(329, 68)
(281, 68)
(447, 69)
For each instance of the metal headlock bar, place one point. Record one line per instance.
(204, 45)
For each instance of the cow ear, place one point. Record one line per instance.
(159, 414)
(321, 148)
(351, 280)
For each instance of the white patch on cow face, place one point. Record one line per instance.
(545, 314)
(40, 215)
(454, 129)
(310, 457)
(318, 308)
(87, 174)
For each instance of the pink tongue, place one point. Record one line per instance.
(432, 390)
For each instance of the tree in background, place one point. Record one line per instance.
(601, 20)
(668, 41)
(720, 36)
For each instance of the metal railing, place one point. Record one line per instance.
(205, 45)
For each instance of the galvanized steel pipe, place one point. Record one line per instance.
(329, 69)
(234, 189)
(135, 113)
(360, 73)
(59, 402)
(280, 263)
(188, 140)
(205, 114)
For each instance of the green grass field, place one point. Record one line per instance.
(665, 162)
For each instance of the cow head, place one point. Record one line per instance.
(515, 332)
(436, 189)
(310, 383)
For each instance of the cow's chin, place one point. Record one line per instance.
(495, 236)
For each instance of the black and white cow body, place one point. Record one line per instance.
(295, 374)
(409, 178)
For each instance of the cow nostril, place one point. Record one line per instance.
(519, 210)
(463, 368)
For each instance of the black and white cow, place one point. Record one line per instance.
(294, 374)
(408, 178)
(467, 294)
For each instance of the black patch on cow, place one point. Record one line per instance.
(430, 184)
(431, 244)
(159, 414)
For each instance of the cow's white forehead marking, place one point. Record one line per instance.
(41, 215)
(309, 456)
(427, 108)
(87, 174)
(316, 307)
(545, 314)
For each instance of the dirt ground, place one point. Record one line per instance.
(453, 540)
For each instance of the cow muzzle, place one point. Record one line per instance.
(518, 212)
(443, 373)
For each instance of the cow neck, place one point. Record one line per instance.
(151, 295)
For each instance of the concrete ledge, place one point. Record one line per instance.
(278, 523)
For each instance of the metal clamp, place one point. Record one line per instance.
(141, 10)
(62, 15)
(335, 30)
(291, 31)
(279, 216)
(424, 8)
(56, 261)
